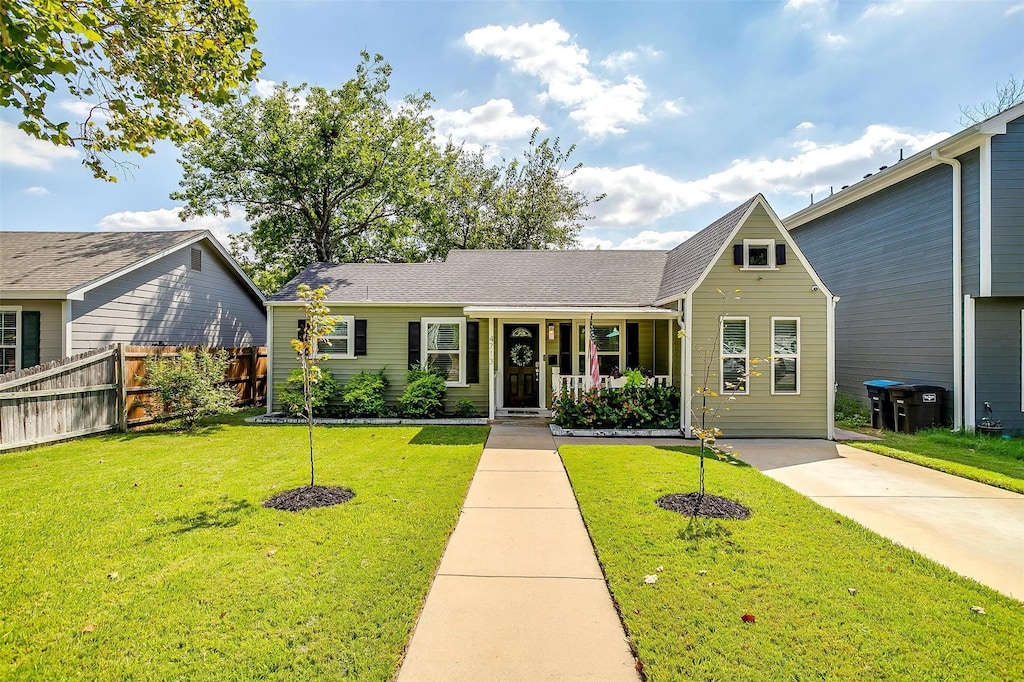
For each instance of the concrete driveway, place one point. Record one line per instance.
(974, 529)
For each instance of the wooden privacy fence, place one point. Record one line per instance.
(102, 390)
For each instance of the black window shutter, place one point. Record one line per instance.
(737, 254)
(302, 330)
(30, 338)
(565, 348)
(472, 352)
(780, 254)
(360, 337)
(414, 343)
(633, 345)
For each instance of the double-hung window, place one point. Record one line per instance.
(608, 339)
(9, 319)
(785, 355)
(341, 342)
(443, 347)
(735, 355)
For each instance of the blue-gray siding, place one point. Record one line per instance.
(970, 212)
(168, 302)
(998, 359)
(1008, 211)
(889, 259)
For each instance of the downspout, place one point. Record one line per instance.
(958, 362)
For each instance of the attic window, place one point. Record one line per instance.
(759, 254)
(197, 260)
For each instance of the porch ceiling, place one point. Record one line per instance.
(562, 312)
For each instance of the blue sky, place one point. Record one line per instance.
(679, 110)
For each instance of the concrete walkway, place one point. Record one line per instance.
(519, 594)
(974, 529)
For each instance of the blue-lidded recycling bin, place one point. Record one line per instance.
(881, 405)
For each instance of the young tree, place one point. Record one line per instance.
(319, 325)
(323, 175)
(1008, 94)
(140, 66)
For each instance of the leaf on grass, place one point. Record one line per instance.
(749, 618)
(112, 575)
(852, 591)
(659, 569)
(703, 571)
(650, 579)
(222, 614)
(271, 552)
(89, 627)
(978, 610)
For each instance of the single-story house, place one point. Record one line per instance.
(63, 293)
(510, 327)
(929, 256)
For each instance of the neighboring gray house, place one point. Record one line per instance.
(928, 257)
(63, 293)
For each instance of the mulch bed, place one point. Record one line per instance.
(707, 506)
(309, 497)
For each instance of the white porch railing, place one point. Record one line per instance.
(579, 383)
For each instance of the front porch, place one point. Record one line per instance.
(535, 353)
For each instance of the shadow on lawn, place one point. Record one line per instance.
(694, 451)
(227, 515)
(450, 435)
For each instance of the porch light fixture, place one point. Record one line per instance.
(551, 332)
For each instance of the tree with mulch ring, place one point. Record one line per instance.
(701, 504)
(313, 331)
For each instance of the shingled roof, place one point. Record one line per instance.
(600, 278)
(65, 261)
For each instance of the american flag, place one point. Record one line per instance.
(595, 365)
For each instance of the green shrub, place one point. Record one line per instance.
(363, 395)
(187, 386)
(850, 412)
(464, 407)
(424, 393)
(635, 406)
(293, 400)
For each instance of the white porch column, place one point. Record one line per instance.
(490, 368)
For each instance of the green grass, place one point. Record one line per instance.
(158, 540)
(995, 461)
(790, 566)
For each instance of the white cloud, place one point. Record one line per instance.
(592, 243)
(545, 51)
(168, 219)
(675, 107)
(619, 60)
(636, 195)
(1013, 10)
(264, 87)
(652, 239)
(36, 191)
(883, 11)
(836, 40)
(801, 4)
(493, 121)
(804, 125)
(20, 149)
(83, 110)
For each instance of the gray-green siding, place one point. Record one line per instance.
(889, 259)
(166, 302)
(998, 343)
(970, 216)
(1008, 211)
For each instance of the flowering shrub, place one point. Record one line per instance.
(635, 406)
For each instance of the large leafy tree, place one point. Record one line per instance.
(323, 175)
(141, 66)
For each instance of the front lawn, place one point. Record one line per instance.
(995, 461)
(148, 556)
(791, 567)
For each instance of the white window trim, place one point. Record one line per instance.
(722, 356)
(770, 243)
(425, 322)
(351, 336)
(795, 356)
(17, 332)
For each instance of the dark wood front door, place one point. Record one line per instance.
(521, 362)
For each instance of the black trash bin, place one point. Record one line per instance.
(917, 406)
(881, 405)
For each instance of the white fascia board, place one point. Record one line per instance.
(570, 311)
(78, 293)
(365, 304)
(962, 142)
(39, 294)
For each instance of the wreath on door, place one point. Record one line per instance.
(521, 355)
